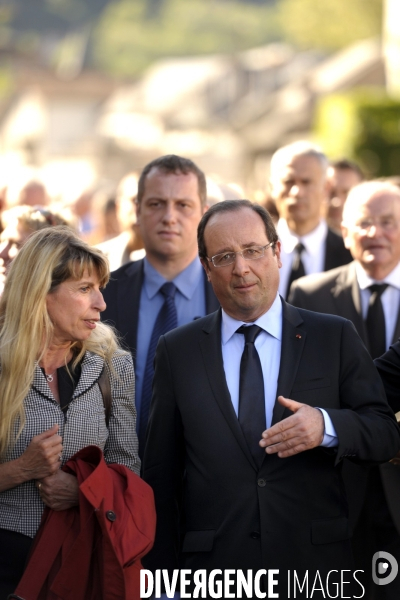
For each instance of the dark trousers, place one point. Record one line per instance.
(376, 531)
(14, 550)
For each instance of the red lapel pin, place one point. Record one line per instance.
(298, 336)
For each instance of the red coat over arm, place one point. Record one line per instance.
(93, 551)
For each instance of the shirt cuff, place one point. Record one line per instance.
(330, 436)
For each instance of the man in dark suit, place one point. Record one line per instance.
(298, 177)
(171, 199)
(245, 477)
(367, 292)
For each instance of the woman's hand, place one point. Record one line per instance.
(41, 459)
(59, 491)
(43, 455)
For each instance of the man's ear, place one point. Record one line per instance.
(205, 209)
(137, 207)
(206, 267)
(345, 234)
(277, 252)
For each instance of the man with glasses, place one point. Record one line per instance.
(254, 407)
(367, 292)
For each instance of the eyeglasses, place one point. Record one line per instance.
(386, 223)
(227, 258)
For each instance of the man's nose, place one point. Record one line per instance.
(169, 214)
(294, 191)
(374, 229)
(240, 266)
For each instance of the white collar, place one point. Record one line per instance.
(364, 280)
(270, 321)
(311, 240)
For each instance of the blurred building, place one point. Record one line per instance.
(228, 113)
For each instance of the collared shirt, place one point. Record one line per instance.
(313, 256)
(268, 344)
(190, 303)
(390, 298)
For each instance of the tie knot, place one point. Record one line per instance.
(299, 248)
(250, 332)
(377, 289)
(168, 289)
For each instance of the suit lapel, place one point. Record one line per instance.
(212, 303)
(92, 366)
(128, 301)
(346, 296)
(396, 334)
(40, 384)
(293, 339)
(335, 252)
(330, 251)
(210, 345)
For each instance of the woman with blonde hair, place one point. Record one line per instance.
(53, 350)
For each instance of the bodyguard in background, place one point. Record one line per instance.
(298, 176)
(167, 288)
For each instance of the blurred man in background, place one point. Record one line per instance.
(128, 244)
(367, 292)
(341, 177)
(299, 189)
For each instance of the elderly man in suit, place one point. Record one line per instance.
(167, 288)
(252, 414)
(367, 291)
(298, 177)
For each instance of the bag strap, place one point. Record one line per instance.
(105, 388)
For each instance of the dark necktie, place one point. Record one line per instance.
(375, 322)
(167, 319)
(251, 393)
(297, 266)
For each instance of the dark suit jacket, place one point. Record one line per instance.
(215, 508)
(336, 254)
(388, 367)
(122, 296)
(337, 293)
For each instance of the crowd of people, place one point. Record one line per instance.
(225, 367)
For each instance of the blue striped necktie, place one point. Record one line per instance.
(167, 319)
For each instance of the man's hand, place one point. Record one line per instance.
(301, 431)
(59, 491)
(42, 456)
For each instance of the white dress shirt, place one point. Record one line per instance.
(390, 298)
(313, 255)
(268, 345)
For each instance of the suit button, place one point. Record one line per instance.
(261, 483)
(255, 535)
(111, 516)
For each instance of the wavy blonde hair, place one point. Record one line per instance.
(49, 257)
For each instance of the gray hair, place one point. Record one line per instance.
(283, 156)
(362, 192)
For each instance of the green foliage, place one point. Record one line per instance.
(329, 24)
(363, 125)
(127, 40)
